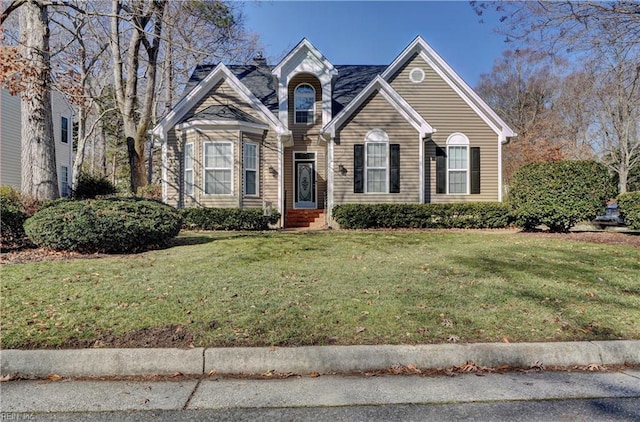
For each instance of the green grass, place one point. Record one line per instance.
(333, 288)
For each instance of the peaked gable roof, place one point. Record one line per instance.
(203, 87)
(304, 47)
(392, 96)
(423, 49)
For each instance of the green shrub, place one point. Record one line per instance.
(150, 191)
(559, 194)
(113, 225)
(228, 218)
(89, 187)
(629, 204)
(473, 215)
(12, 233)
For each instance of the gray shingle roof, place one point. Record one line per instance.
(223, 112)
(351, 79)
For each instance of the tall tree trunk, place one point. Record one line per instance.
(39, 173)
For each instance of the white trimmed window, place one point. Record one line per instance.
(64, 181)
(250, 161)
(458, 164)
(376, 162)
(218, 168)
(64, 130)
(188, 169)
(304, 103)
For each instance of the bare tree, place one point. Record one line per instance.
(38, 158)
(602, 38)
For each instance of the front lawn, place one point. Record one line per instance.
(251, 289)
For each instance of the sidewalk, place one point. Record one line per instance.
(305, 360)
(32, 398)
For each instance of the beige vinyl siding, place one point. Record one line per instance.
(444, 110)
(223, 94)
(305, 138)
(64, 151)
(377, 113)
(267, 182)
(175, 141)
(10, 135)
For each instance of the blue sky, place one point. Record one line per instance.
(375, 32)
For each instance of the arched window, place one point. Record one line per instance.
(304, 100)
(458, 164)
(376, 161)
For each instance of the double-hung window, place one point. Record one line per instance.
(218, 168)
(250, 161)
(188, 169)
(64, 130)
(376, 164)
(458, 167)
(64, 181)
(304, 103)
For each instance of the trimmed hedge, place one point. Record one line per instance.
(113, 225)
(629, 204)
(228, 218)
(12, 233)
(559, 194)
(473, 215)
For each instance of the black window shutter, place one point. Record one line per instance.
(441, 170)
(475, 170)
(394, 174)
(358, 168)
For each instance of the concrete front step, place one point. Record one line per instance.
(305, 218)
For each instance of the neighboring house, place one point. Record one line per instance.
(308, 135)
(10, 136)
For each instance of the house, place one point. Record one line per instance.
(305, 135)
(10, 136)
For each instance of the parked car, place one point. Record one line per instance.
(611, 217)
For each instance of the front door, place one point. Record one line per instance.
(305, 184)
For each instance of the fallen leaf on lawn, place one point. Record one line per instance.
(505, 339)
(360, 329)
(54, 377)
(453, 339)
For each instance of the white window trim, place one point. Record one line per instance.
(368, 141)
(245, 169)
(295, 109)
(459, 140)
(64, 181)
(64, 140)
(205, 169)
(191, 169)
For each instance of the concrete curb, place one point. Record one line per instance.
(304, 360)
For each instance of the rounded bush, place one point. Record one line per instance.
(113, 225)
(89, 187)
(11, 224)
(629, 204)
(228, 218)
(559, 194)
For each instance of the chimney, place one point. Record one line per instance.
(259, 60)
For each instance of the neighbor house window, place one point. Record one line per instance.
(218, 168)
(458, 164)
(64, 130)
(250, 169)
(188, 169)
(377, 164)
(64, 181)
(304, 99)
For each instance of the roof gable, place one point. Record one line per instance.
(203, 88)
(420, 47)
(304, 57)
(381, 86)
